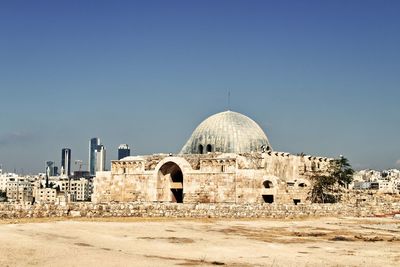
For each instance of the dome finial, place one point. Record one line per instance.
(229, 100)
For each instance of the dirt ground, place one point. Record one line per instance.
(169, 242)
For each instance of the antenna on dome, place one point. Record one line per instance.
(229, 100)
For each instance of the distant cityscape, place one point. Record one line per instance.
(59, 184)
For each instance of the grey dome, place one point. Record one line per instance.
(227, 132)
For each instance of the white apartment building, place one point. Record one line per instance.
(45, 195)
(388, 180)
(78, 189)
(19, 189)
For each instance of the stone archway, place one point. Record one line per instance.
(170, 183)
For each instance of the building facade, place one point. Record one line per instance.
(19, 189)
(271, 177)
(228, 159)
(45, 195)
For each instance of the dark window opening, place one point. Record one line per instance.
(177, 195)
(296, 201)
(302, 185)
(208, 148)
(177, 176)
(268, 198)
(313, 166)
(268, 184)
(201, 149)
(290, 184)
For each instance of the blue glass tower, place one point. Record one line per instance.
(93, 144)
(123, 151)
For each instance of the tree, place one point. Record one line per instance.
(326, 187)
(322, 189)
(343, 171)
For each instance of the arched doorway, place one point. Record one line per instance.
(170, 183)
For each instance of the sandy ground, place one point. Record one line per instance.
(168, 242)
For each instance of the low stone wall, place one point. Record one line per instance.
(87, 209)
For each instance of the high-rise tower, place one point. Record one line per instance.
(66, 160)
(123, 151)
(100, 158)
(93, 144)
(50, 168)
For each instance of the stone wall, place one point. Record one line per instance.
(174, 210)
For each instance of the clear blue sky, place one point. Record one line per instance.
(320, 77)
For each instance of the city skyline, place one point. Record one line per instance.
(319, 78)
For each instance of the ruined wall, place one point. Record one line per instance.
(173, 210)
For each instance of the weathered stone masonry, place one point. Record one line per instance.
(174, 210)
(273, 177)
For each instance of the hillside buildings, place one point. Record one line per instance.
(33, 189)
(387, 181)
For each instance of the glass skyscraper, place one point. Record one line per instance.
(100, 158)
(66, 160)
(93, 144)
(123, 151)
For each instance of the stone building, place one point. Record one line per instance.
(228, 159)
(19, 189)
(45, 195)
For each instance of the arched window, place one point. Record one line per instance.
(208, 148)
(201, 149)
